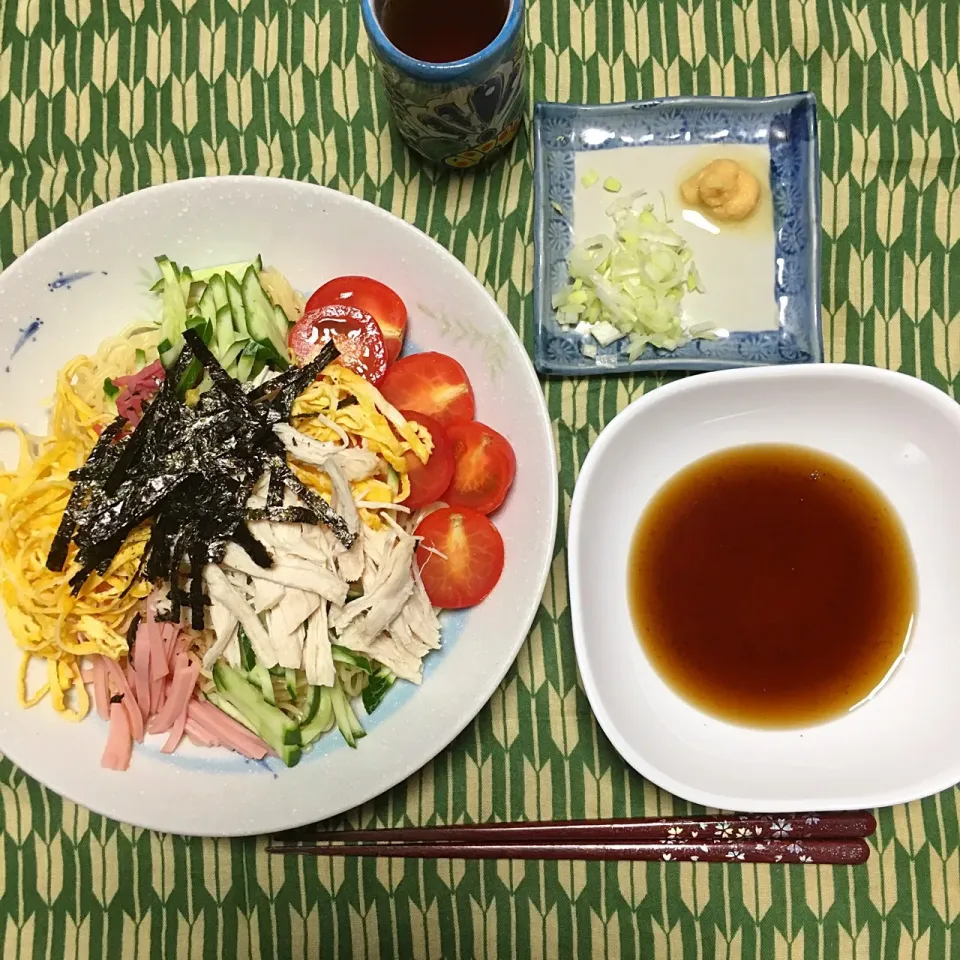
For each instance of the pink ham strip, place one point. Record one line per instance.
(101, 692)
(129, 700)
(176, 734)
(158, 690)
(130, 408)
(181, 690)
(116, 754)
(159, 664)
(165, 642)
(150, 377)
(226, 730)
(136, 388)
(158, 695)
(141, 670)
(150, 635)
(199, 736)
(172, 642)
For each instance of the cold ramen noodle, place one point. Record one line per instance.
(244, 519)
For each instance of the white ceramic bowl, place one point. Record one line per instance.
(902, 433)
(91, 278)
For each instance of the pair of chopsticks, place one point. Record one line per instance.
(829, 838)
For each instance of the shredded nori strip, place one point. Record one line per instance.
(284, 515)
(198, 557)
(347, 402)
(254, 548)
(191, 471)
(315, 502)
(117, 698)
(184, 598)
(102, 454)
(275, 492)
(285, 388)
(132, 631)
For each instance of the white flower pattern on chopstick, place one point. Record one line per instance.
(780, 828)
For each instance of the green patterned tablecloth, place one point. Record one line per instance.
(100, 98)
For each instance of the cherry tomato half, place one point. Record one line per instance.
(484, 467)
(472, 560)
(428, 480)
(354, 331)
(373, 297)
(430, 383)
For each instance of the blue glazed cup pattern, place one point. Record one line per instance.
(456, 114)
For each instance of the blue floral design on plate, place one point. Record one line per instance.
(788, 125)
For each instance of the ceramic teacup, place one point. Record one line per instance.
(461, 113)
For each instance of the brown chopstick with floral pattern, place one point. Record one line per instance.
(780, 838)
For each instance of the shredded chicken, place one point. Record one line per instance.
(289, 573)
(317, 651)
(356, 463)
(223, 592)
(224, 623)
(303, 594)
(394, 657)
(385, 601)
(349, 562)
(266, 594)
(342, 496)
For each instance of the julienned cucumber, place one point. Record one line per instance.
(323, 719)
(221, 703)
(347, 721)
(248, 659)
(273, 726)
(227, 270)
(311, 703)
(376, 689)
(260, 677)
(247, 360)
(262, 324)
(351, 659)
(235, 299)
(393, 480)
(242, 326)
(174, 306)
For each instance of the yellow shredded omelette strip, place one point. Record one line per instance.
(371, 422)
(48, 623)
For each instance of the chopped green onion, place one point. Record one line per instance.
(631, 283)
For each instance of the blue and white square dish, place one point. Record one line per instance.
(780, 130)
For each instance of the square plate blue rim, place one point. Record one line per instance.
(788, 124)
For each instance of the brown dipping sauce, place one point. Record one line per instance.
(772, 585)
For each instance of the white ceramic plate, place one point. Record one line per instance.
(91, 278)
(900, 745)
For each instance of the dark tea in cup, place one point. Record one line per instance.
(438, 31)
